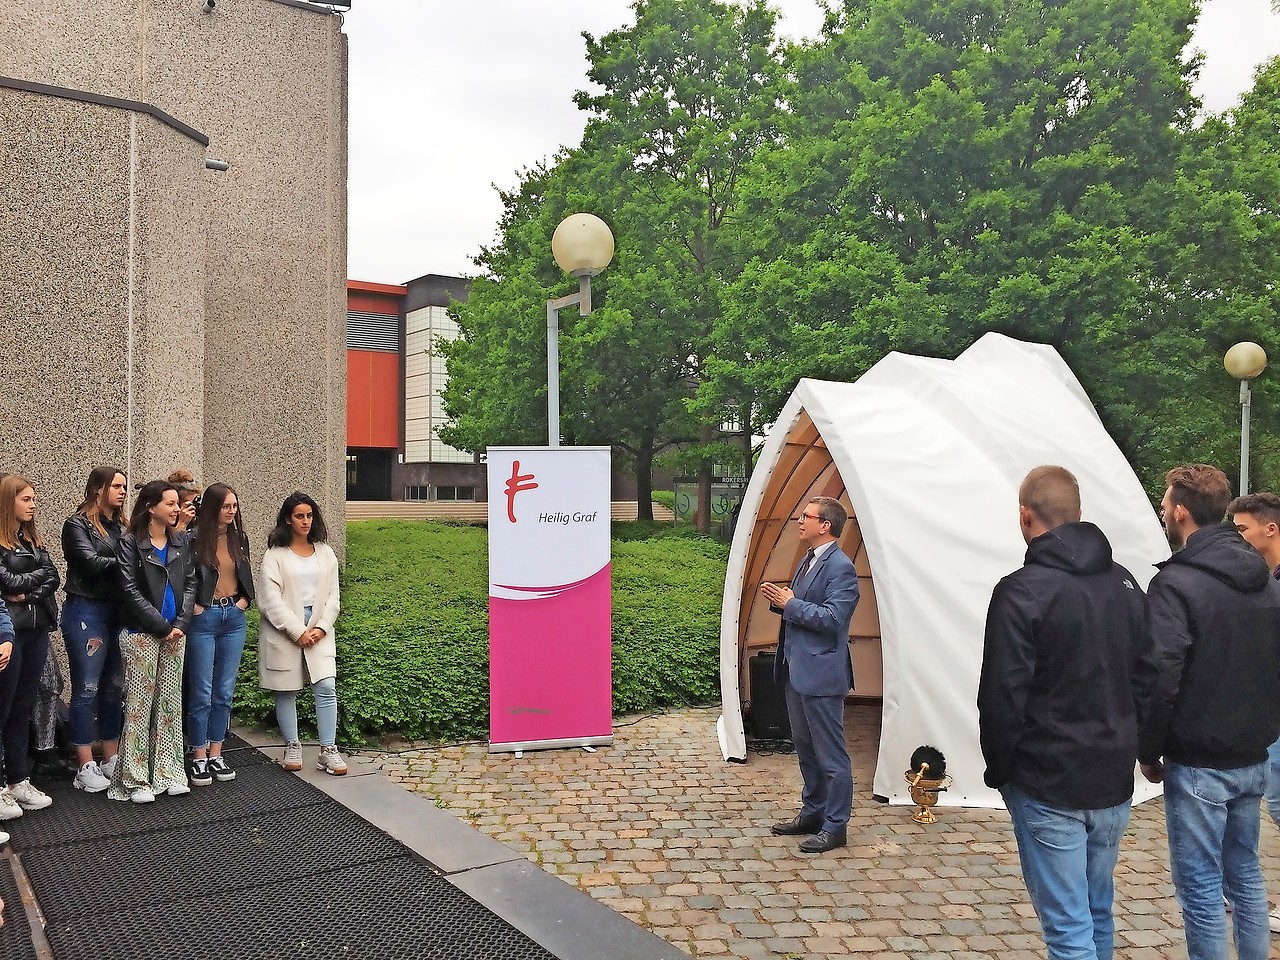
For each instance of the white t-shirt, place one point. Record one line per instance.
(307, 571)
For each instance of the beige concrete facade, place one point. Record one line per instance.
(157, 313)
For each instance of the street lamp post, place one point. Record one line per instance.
(1245, 361)
(582, 246)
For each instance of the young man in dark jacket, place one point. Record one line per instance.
(1208, 708)
(1257, 518)
(1056, 713)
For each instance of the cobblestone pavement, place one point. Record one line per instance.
(661, 829)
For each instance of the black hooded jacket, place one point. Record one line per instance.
(1207, 694)
(1056, 708)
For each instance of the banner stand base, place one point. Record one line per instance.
(604, 741)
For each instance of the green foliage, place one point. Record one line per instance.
(413, 644)
(683, 99)
(922, 173)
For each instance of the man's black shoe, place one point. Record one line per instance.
(798, 826)
(822, 841)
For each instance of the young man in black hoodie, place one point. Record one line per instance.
(1208, 710)
(1056, 714)
(1257, 518)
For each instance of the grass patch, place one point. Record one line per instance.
(413, 636)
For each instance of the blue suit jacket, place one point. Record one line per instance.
(813, 640)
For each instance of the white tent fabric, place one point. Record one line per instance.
(931, 453)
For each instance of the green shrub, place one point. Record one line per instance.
(665, 497)
(413, 641)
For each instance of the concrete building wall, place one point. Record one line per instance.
(274, 104)
(160, 314)
(95, 200)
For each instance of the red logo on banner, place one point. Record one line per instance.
(518, 483)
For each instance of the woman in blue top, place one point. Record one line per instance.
(157, 587)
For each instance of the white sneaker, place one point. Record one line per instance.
(4, 838)
(142, 795)
(91, 778)
(292, 756)
(108, 767)
(28, 797)
(1275, 920)
(331, 762)
(178, 789)
(9, 809)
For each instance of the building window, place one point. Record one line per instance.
(353, 472)
(417, 493)
(455, 493)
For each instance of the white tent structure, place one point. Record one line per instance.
(927, 455)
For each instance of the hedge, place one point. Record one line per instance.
(413, 645)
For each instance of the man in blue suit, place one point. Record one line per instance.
(814, 670)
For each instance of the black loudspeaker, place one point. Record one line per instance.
(768, 703)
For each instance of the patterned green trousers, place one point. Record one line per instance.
(151, 742)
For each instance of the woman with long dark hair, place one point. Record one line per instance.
(298, 601)
(158, 587)
(224, 590)
(28, 582)
(91, 624)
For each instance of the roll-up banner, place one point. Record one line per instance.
(550, 604)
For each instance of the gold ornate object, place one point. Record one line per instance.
(924, 792)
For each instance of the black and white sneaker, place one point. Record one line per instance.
(198, 773)
(221, 769)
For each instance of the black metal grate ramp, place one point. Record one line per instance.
(264, 867)
(76, 816)
(394, 909)
(150, 869)
(15, 935)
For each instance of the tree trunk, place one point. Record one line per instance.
(644, 477)
(702, 516)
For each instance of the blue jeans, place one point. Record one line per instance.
(91, 632)
(215, 644)
(1213, 818)
(1068, 863)
(325, 691)
(1273, 782)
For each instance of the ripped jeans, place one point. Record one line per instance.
(91, 631)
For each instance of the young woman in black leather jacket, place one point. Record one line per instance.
(28, 581)
(157, 589)
(91, 624)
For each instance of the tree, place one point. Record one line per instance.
(686, 97)
(952, 168)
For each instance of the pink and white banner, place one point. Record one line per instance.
(550, 605)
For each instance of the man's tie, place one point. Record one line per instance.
(804, 567)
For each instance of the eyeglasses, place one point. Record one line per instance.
(810, 516)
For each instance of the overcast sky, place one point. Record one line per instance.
(448, 99)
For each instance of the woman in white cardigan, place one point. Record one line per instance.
(298, 602)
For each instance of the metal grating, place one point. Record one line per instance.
(76, 817)
(264, 867)
(154, 868)
(397, 909)
(15, 935)
(373, 331)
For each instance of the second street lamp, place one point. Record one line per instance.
(1245, 361)
(582, 246)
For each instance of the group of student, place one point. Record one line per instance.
(154, 623)
(1082, 675)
